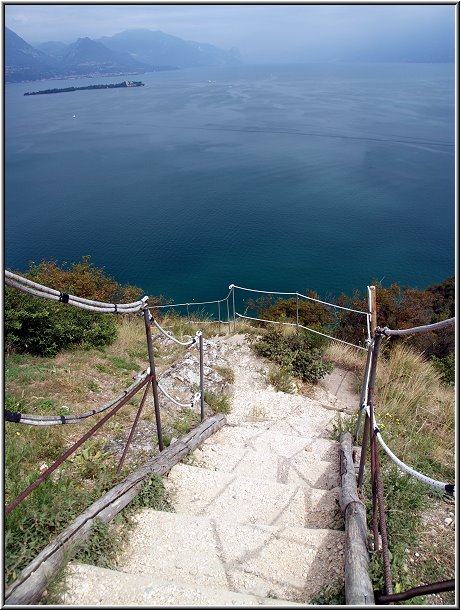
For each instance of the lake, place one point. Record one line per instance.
(272, 177)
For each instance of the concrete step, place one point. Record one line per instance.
(93, 586)
(266, 454)
(281, 443)
(243, 499)
(267, 561)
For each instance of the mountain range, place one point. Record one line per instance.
(132, 51)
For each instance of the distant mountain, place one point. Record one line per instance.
(53, 49)
(156, 47)
(86, 56)
(24, 62)
(130, 52)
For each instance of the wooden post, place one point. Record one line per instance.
(358, 585)
(373, 309)
(33, 580)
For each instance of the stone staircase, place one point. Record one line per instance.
(256, 516)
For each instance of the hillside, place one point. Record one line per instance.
(129, 52)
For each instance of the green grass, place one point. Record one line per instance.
(219, 403)
(185, 420)
(123, 364)
(280, 379)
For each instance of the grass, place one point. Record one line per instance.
(219, 403)
(280, 379)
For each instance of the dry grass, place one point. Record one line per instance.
(346, 357)
(417, 410)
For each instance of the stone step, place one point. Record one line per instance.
(281, 443)
(267, 561)
(243, 499)
(94, 586)
(266, 454)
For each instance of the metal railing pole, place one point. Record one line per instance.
(228, 315)
(188, 313)
(201, 377)
(297, 313)
(363, 397)
(218, 313)
(156, 402)
(234, 313)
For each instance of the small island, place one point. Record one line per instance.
(125, 83)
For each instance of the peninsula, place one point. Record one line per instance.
(125, 83)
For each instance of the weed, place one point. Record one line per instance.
(121, 363)
(329, 595)
(93, 386)
(227, 373)
(343, 423)
(257, 412)
(185, 421)
(280, 379)
(219, 403)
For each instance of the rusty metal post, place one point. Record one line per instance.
(131, 434)
(297, 313)
(362, 460)
(375, 525)
(383, 525)
(153, 378)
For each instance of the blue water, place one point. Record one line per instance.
(275, 177)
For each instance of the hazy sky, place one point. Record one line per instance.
(261, 32)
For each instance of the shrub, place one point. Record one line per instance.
(446, 367)
(43, 327)
(299, 355)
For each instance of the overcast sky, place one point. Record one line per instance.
(262, 33)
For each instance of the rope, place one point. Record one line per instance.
(29, 287)
(196, 397)
(166, 334)
(185, 304)
(304, 327)
(446, 487)
(57, 420)
(418, 329)
(365, 313)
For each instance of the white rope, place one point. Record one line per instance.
(179, 404)
(170, 336)
(109, 308)
(368, 322)
(303, 296)
(57, 420)
(304, 327)
(185, 304)
(418, 475)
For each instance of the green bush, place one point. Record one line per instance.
(446, 367)
(299, 355)
(43, 327)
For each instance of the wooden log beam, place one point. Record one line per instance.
(33, 580)
(358, 586)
